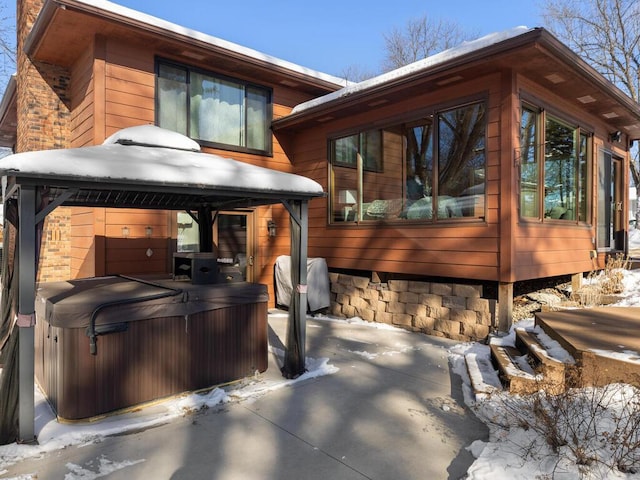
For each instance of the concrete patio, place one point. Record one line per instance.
(393, 410)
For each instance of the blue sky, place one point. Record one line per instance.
(333, 34)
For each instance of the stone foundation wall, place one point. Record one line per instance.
(449, 310)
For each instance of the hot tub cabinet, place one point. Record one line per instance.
(152, 340)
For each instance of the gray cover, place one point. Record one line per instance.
(317, 281)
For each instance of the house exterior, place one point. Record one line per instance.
(88, 69)
(501, 161)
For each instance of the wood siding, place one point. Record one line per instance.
(550, 248)
(503, 247)
(113, 88)
(466, 249)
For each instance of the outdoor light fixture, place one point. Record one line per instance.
(615, 136)
(271, 226)
(148, 231)
(125, 232)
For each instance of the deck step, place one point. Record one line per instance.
(483, 375)
(515, 371)
(527, 340)
(530, 366)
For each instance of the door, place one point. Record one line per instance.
(233, 235)
(610, 227)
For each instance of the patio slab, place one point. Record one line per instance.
(393, 410)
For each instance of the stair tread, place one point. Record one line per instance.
(534, 345)
(511, 361)
(484, 378)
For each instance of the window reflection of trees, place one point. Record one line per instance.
(405, 182)
(461, 150)
(554, 161)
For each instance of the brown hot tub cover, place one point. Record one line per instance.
(70, 304)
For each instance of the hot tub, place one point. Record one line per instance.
(108, 343)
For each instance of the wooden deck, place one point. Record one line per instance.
(604, 340)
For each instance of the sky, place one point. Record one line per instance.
(334, 34)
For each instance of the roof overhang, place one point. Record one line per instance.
(9, 115)
(535, 54)
(75, 24)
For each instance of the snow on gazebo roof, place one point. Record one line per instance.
(155, 159)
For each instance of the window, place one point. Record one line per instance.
(410, 170)
(555, 158)
(215, 110)
(366, 145)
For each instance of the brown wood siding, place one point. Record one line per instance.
(464, 249)
(82, 100)
(551, 248)
(129, 86)
(506, 180)
(83, 234)
(119, 77)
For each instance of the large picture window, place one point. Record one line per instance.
(428, 170)
(554, 164)
(215, 110)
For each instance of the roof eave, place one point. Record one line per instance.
(9, 101)
(570, 57)
(539, 36)
(325, 108)
(51, 8)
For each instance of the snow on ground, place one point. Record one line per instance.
(600, 425)
(515, 449)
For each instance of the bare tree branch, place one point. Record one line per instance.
(7, 45)
(420, 38)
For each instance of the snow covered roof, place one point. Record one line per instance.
(419, 66)
(114, 11)
(149, 167)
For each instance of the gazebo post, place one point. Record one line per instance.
(294, 361)
(26, 312)
(205, 229)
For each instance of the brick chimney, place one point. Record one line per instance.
(42, 92)
(43, 118)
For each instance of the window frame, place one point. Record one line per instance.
(582, 185)
(403, 123)
(247, 86)
(378, 167)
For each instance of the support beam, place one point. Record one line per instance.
(576, 282)
(26, 312)
(505, 306)
(205, 229)
(294, 361)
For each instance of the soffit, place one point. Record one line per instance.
(9, 116)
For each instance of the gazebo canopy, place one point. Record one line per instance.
(149, 167)
(140, 167)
